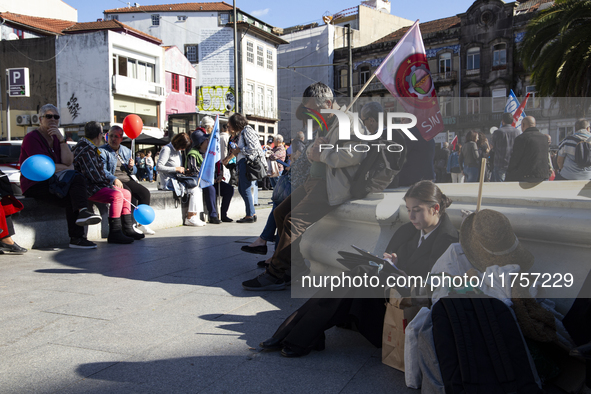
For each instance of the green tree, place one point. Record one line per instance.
(557, 49)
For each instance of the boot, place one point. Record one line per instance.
(128, 230)
(116, 235)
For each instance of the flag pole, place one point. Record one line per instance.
(360, 91)
(481, 183)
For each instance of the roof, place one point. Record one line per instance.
(109, 25)
(263, 33)
(43, 25)
(219, 6)
(530, 5)
(426, 28)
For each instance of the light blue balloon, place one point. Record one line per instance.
(144, 214)
(38, 168)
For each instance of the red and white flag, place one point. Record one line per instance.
(454, 142)
(405, 73)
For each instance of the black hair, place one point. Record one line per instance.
(92, 130)
(238, 122)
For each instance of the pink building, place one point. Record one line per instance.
(180, 82)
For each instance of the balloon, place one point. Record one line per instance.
(38, 168)
(132, 126)
(144, 214)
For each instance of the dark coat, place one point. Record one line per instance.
(419, 161)
(529, 159)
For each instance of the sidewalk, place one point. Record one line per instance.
(164, 315)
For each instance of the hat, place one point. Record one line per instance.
(488, 239)
(198, 137)
(207, 121)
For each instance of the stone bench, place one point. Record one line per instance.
(552, 219)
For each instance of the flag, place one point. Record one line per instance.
(405, 73)
(212, 156)
(454, 142)
(516, 109)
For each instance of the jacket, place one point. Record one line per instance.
(503, 140)
(337, 183)
(419, 261)
(470, 156)
(168, 160)
(110, 160)
(529, 160)
(88, 162)
(454, 162)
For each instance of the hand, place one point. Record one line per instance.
(53, 130)
(219, 179)
(118, 184)
(235, 151)
(392, 258)
(131, 163)
(180, 169)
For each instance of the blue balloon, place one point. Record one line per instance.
(144, 214)
(38, 168)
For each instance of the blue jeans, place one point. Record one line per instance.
(255, 192)
(150, 173)
(498, 175)
(268, 233)
(244, 188)
(471, 173)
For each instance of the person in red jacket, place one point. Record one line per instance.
(10, 206)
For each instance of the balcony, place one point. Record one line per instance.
(473, 72)
(372, 87)
(252, 111)
(135, 88)
(445, 77)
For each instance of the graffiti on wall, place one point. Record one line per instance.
(73, 107)
(216, 99)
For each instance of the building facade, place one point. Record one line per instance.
(180, 79)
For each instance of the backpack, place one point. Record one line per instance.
(379, 167)
(583, 153)
(480, 348)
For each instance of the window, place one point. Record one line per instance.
(131, 68)
(269, 59)
(181, 18)
(473, 59)
(472, 103)
(175, 82)
(155, 20)
(250, 97)
(188, 86)
(151, 73)
(191, 53)
(499, 99)
(363, 75)
(445, 63)
(343, 78)
(122, 66)
(260, 59)
(114, 17)
(141, 71)
(563, 132)
(260, 100)
(224, 19)
(532, 101)
(499, 55)
(445, 106)
(270, 102)
(249, 52)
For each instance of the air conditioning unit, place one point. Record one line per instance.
(23, 120)
(35, 119)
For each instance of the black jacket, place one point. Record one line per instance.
(529, 159)
(419, 261)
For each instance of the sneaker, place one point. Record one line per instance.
(194, 221)
(145, 229)
(87, 218)
(81, 243)
(264, 281)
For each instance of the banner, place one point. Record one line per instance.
(405, 73)
(212, 156)
(516, 109)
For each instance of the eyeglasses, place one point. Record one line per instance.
(51, 116)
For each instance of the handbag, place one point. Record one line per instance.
(255, 169)
(272, 168)
(59, 184)
(282, 189)
(189, 181)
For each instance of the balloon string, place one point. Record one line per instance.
(130, 203)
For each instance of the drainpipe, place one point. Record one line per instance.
(350, 76)
(238, 102)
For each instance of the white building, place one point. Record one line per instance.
(55, 9)
(106, 71)
(204, 32)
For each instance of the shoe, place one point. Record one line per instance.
(264, 281)
(257, 205)
(14, 248)
(81, 243)
(116, 235)
(213, 220)
(226, 219)
(87, 218)
(127, 228)
(271, 344)
(145, 229)
(263, 264)
(291, 352)
(261, 249)
(254, 217)
(246, 220)
(194, 221)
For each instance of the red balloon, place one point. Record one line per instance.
(132, 126)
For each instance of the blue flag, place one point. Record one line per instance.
(516, 109)
(212, 156)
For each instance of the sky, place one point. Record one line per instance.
(283, 13)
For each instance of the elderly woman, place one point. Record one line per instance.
(88, 161)
(278, 153)
(119, 167)
(169, 164)
(248, 147)
(47, 140)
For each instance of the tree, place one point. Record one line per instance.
(557, 49)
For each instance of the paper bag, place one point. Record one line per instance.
(399, 312)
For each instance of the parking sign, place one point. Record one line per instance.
(18, 82)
